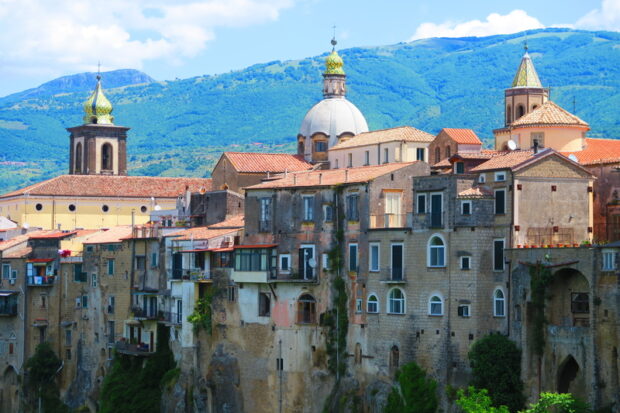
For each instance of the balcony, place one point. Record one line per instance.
(140, 313)
(171, 318)
(40, 281)
(124, 347)
(252, 276)
(293, 277)
(393, 275)
(390, 221)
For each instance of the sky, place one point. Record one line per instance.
(44, 39)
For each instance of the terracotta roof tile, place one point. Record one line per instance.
(549, 114)
(114, 186)
(201, 233)
(477, 192)
(401, 133)
(110, 236)
(250, 162)
(331, 177)
(236, 221)
(598, 151)
(507, 160)
(463, 136)
(18, 253)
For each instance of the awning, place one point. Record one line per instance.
(225, 249)
(256, 246)
(40, 260)
(8, 293)
(197, 250)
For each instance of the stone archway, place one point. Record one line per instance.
(570, 378)
(569, 299)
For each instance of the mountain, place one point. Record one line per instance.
(180, 127)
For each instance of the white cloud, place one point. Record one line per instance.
(51, 37)
(607, 17)
(513, 22)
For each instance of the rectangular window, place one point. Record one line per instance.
(466, 207)
(320, 146)
(232, 293)
(482, 178)
(608, 261)
(111, 304)
(367, 158)
(386, 155)
(328, 213)
(6, 271)
(352, 207)
(498, 255)
(308, 205)
(419, 154)
(140, 262)
(154, 259)
(359, 304)
(285, 262)
(353, 257)
(500, 176)
(264, 304)
(252, 259)
(436, 210)
(538, 139)
(421, 203)
(78, 274)
(459, 167)
(84, 301)
(325, 260)
(306, 262)
(264, 224)
(350, 160)
(68, 337)
(500, 201)
(466, 263)
(464, 310)
(94, 280)
(90, 248)
(374, 257)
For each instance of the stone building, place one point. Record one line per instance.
(450, 141)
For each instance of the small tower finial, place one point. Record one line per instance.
(334, 42)
(99, 70)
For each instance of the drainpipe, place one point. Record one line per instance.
(280, 376)
(133, 259)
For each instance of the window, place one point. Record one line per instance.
(396, 301)
(105, 208)
(508, 115)
(373, 257)
(538, 139)
(466, 263)
(154, 259)
(307, 262)
(520, 111)
(179, 318)
(464, 310)
(252, 259)
(264, 224)
(500, 176)
(110, 266)
(93, 280)
(325, 261)
(232, 293)
(68, 337)
(436, 252)
(459, 167)
(608, 261)
(466, 207)
(499, 303)
(349, 160)
(498, 255)
(500, 201)
(386, 155)
(359, 305)
(264, 304)
(140, 262)
(78, 158)
(435, 305)
(84, 301)
(111, 304)
(320, 146)
(448, 151)
(353, 257)
(43, 300)
(106, 157)
(421, 203)
(580, 303)
(367, 158)
(111, 332)
(482, 178)
(285, 262)
(6, 271)
(308, 203)
(372, 304)
(437, 155)
(336, 166)
(328, 213)
(306, 309)
(352, 207)
(419, 154)
(436, 210)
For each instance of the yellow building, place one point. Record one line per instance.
(97, 193)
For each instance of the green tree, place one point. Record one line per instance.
(41, 370)
(561, 403)
(496, 366)
(475, 400)
(415, 393)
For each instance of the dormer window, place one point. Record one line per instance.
(459, 167)
(500, 176)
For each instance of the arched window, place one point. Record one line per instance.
(372, 304)
(436, 252)
(499, 303)
(435, 305)
(520, 111)
(78, 158)
(534, 107)
(437, 155)
(300, 147)
(106, 157)
(306, 309)
(508, 115)
(396, 301)
(448, 151)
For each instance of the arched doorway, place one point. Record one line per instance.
(567, 375)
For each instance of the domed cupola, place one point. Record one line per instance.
(332, 119)
(97, 108)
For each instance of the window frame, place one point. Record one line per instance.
(469, 204)
(500, 176)
(371, 267)
(495, 209)
(264, 307)
(349, 160)
(421, 204)
(397, 301)
(482, 178)
(111, 264)
(497, 300)
(429, 254)
(461, 313)
(308, 208)
(417, 154)
(366, 158)
(386, 155)
(353, 257)
(375, 303)
(462, 266)
(432, 302)
(496, 268)
(353, 213)
(328, 217)
(459, 168)
(608, 260)
(280, 267)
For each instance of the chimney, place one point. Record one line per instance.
(320, 179)
(346, 175)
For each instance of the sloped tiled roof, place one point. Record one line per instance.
(110, 236)
(236, 221)
(201, 233)
(18, 253)
(526, 75)
(18, 239)
(113, 186)
(598, 151)
(463, 136)
(477, 192)
(401, 133)
(549, 114)
(483, 154)
(250, 162)
(331, 176)
(505, 161)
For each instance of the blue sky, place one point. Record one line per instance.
(44, 39)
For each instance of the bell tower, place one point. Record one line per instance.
(526, 93)
(98, 147)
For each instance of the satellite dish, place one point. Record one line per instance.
(25, 225)
(157, 208)
(312, 262)
(512, 145)
(573, 158)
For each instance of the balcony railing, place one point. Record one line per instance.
(144, 313)
(125, 347)
(171, 317)
(393, 275)
(389, 221)
(40, 281)
(293, 276)
(8, 309)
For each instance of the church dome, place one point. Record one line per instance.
(333, 64)
(97, 108)
(333, 117)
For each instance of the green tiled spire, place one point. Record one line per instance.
(526, 75)
(97, 108)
